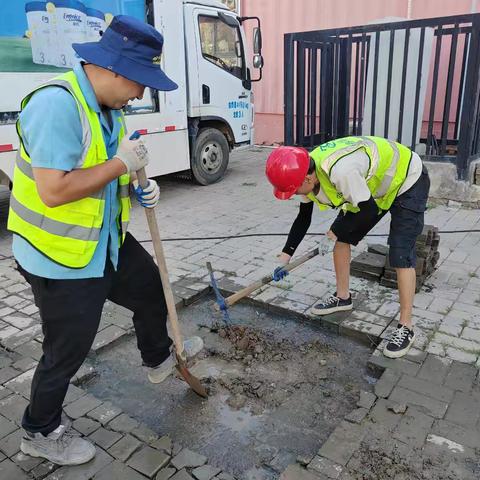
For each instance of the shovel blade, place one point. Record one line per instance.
(193, 381)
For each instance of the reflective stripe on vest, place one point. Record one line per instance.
(389, 162)
(67, 234)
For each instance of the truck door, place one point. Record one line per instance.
(219, 90)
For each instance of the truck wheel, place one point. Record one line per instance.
(210, 156)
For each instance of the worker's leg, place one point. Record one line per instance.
(137, 286)
(353, 230)
(341, 260)
(70, 312)
(407, 223)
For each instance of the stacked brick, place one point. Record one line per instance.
(374, 264)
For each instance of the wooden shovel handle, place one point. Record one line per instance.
(162, 268)
(229, 301)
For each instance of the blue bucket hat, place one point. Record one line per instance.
(130, 48)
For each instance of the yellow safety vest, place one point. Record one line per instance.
(389, 163)
(67, 234)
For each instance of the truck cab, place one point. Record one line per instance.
(192, 129)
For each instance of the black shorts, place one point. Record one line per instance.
(407, 223)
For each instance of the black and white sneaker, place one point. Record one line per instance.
(399, 342)
(332, 304)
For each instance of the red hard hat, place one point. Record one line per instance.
(286, 170)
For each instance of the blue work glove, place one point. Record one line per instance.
(279, 273)
(148, 196)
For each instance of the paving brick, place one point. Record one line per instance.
(416, 355)
(365, 332)
(10, 471)
(30, 349)
(413, 428)
(434, 369)
(206, 472)
(105, 438)
(461, 376)
(118, 471)
(23, 336)
(467, 435)
(165, 473)
(437, 446)
(4, 392)
(21, 384)
(471, 334)
(387, 382)
(85, 471)
(382, 414)
(344, 440)
(294, 472)
(433, 407)
(26, 462)
(20, 322)
(164, 443)
(377, 363)
(80, 407)
(24, 364)
(10, 444)
(73, 394)
(123, 423)
(6, 427)
(125, 447)
(325, 467)
(460, 355)
(148, 461)
(105, 413)
(357, 415)
(426, 388)
(182, 475)
(107, 337)
(13, 407)
(43, 470)
(145, 434)
(187, 458)
(366, 400)
(453, 330)
(85, 426)
(7, 373)
(463, 409)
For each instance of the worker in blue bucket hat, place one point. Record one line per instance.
(69, 213)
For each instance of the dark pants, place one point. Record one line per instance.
(407, 212)
(70, 311)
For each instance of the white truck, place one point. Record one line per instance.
(192, 129)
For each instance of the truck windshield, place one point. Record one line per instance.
(221, 44)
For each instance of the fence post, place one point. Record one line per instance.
(288, 99)
(470, 106)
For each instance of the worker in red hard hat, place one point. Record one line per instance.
(365, 177)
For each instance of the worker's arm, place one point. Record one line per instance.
(299, 229)
(57, 187)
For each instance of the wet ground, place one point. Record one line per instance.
(278, 387)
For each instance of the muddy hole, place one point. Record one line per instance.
(278, 387)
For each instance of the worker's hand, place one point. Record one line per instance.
(148, 196)
(279, 273)
(331, 236)
(133, 153)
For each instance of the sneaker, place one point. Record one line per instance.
(61, 446)
(192, 346)
(399, 342)
(332, 304)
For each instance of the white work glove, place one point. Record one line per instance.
(133, 153)
(147, 197)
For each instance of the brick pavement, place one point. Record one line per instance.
(438, 380)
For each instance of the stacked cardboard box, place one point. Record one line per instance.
(374, 264)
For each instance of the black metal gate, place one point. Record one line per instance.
(326, 74)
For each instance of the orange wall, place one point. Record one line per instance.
(285, 16)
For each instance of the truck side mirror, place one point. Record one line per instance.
(257, 41)
(257, 61)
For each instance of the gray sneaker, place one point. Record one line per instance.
(61, 446)
(192, 346)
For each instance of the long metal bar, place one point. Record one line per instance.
(417, 88)
(433, 96)
(355, 94)
(313, 94)
(374, 87)
(361, 95)
(389, 83)
(404, 81)
(448, 92)
(461, 91)
(288, 97)
(300, 103)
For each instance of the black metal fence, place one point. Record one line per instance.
(417, 82)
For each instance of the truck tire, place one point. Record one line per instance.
(210, 156)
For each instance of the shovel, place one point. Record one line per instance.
(180, 354)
